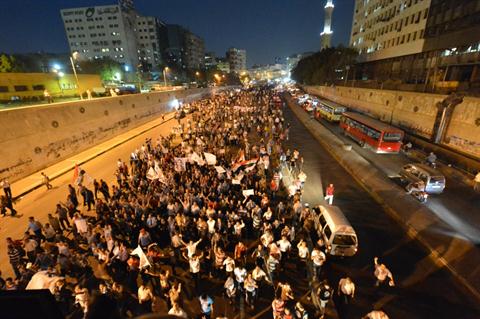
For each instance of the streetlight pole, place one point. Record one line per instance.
(165, 69)
(75, 73)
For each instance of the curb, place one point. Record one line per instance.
(72, 167)
(410, 230)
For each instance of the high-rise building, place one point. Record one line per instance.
(194, 51)
(184, 49)
(223, 65)
(210, 60)
(427, 42)
(103, 31)
(150, 33)
(237, 58)
(386, 29)
(326, 35)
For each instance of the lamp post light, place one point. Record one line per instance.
(165, 70)
(74, 57)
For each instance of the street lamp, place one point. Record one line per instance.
(74, 57)
(165, 70)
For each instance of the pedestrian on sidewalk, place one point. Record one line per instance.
(382, 274)
(329, 194)
(46, 181)
(476, 182)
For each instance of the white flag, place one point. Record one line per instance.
(143, 258)
(210, 158)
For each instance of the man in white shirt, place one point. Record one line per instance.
(346, 290)
(240, 275)
(318, 259)
(229, 264)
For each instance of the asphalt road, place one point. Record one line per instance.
(458, 205)
(422, 291)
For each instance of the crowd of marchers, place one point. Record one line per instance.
(202, 206)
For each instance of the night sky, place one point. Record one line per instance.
(265, 28)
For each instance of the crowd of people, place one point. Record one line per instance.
(200, 208)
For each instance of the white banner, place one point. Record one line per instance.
(220, 170)
(210, 158)
(248, 192)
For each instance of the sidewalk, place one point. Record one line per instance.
(446, 248)
(34, 181)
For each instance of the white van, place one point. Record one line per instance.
(333, 227)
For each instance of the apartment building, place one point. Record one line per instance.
(151, 41)
(237, 58)
(388, 28)
(432, 45)
(103, 31)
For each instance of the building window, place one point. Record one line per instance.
(3, 88)
(414, 36)
(408, 37)
(38, 87)
(20, 88)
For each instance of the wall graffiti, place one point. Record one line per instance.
(466, 146)
(16, 169)
(56, 148)
(415, 129)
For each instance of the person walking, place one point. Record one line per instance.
(206, 304)
(15, 257)
(6, 203)
(382, 274)
(346, 290)
(46, 181)
(62, 213)
(6, 189)
(329, 194)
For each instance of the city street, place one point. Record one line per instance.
(458, 205)
(423, 290)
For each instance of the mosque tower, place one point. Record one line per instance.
(326, 35)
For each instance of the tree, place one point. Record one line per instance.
(324, 67)
(8, 63)
(107, 68)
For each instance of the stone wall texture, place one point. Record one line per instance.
(414, 112)
(33, 138)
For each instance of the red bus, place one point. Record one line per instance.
(368, 132)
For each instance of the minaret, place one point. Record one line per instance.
(326, 35)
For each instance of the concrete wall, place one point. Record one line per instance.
(414, 112)
(35, 137)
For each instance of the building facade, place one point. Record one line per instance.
(151, 42)
(429, 45)
(237, 58)
(194, 54)
(223, 65)
(210, 60)
(103, 32)
(184, 49)
(384, 29)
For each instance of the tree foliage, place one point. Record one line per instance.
(106, 68)
(8, 63)
(322, 67)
